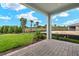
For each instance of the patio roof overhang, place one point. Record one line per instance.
(51, 9)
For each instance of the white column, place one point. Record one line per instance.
(49, 27)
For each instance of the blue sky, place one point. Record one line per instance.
(67, 17)
(10, 14)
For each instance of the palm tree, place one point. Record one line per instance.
(31, 21)
(37, 23)
(23, 24)
(34, 25)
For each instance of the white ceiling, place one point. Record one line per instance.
(51, 8)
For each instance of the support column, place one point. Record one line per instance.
(49, 27)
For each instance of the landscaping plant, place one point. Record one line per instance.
(38, 36)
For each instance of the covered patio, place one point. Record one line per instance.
(49, 10)
(49, 47)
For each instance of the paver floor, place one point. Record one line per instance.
(48, 48)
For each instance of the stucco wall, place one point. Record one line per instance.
(77, 28)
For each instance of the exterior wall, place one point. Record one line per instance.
(77, 28)
(71, 28)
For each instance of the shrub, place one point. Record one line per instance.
(5, 29)
(20, 29)
(15, 29)
(58, 37)
(10, 29)
(38, 36)
(1, 29)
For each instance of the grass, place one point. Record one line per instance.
(9, 41)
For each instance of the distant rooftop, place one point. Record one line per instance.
(75, 24)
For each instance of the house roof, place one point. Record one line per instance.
(76, 24)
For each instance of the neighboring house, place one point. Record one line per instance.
(74, 27)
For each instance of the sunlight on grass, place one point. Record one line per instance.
(9, 41)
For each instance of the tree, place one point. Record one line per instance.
(23, 24)
(10, 29)
(31, 21)
(15, 29)
(20, 29)
(5, 29)
(37, 23)
(45, 25)
(0, 29)
(34, 25)
(55, 25)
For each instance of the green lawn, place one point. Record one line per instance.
(9, 41)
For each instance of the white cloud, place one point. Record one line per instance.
(63, 14)
(5, 18)
(37, 20)
(20, 7)
(77, 8)
(71, 22)
(29, 16)
(53, 17)
(22, 15)
(12, 6)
